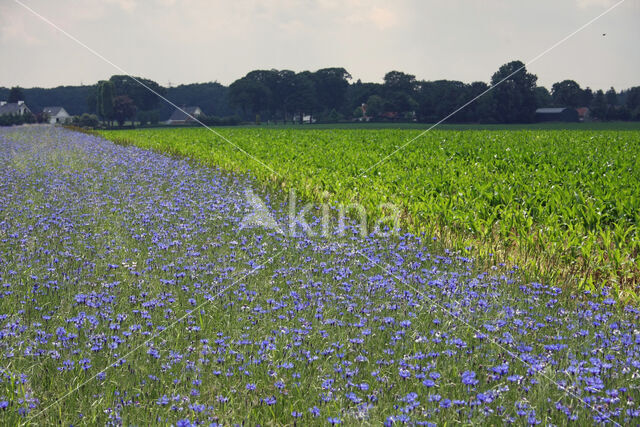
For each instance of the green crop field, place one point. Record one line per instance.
(561, 204)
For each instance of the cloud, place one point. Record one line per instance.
(380, 17)
(126, 5)
(584, 4)
(13, 27)
(383, 18)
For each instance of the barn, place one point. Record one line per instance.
(561, 114)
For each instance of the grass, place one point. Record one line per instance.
(459, 126)
(560, 204)
(131, 296)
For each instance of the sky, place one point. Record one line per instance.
(188, 41)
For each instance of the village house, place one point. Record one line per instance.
(16, 108)
(184, 115)
(56, 114)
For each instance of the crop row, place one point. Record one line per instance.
(562, 203)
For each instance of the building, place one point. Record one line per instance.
(16, 108)
(561, 114)
(306, 119)
(184, 115)
(56, 114)
(584, 114)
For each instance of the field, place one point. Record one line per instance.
(130, 295)
(563, 205)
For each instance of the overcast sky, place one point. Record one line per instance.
(186, 41)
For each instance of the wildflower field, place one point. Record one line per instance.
(129, 294)
(561, 204)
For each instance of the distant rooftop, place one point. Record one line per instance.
(13, 108)
(550, 110)
(185, 113)
(52, 111)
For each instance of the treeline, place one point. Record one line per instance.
(330, 95)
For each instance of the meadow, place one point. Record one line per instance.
(130, 295)
(563, 205)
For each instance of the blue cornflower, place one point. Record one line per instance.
(469, 378)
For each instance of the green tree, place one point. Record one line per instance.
(143, 92)
(633, 102)
(104, 100)
(249, 95)
(399, 81)
(567, 93)
(123, 109)
(599, 106)
(514, 93)
(400, 92)
(375, 106)
(331, 86)
(543, 97)
(302, 96)
(15, 94)
(612, 104)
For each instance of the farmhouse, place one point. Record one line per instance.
(561, 114)
(56, 114)
(306, 118)
(184, 115)
(16, 108)
(584, 114)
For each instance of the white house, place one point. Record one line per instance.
(56, 114)
(306, 118)
(13, 108)
(184, 115)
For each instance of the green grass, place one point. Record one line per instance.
(462, 126)
(563, 205)
(104, 245)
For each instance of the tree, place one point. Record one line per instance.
(599, 106)
(440, 98)
(123, 109)
(331, 86)
(399, 91)
(515, 100)
(633, 102)
(399, 81)
(104, 100)
(133, 87)
(612, 97)
(612, 104)
(375, 105)
(284, 88)
(587, 97)
(249, 95)
(543, 97)
(567, 93)
(301, 95)
(15, 94)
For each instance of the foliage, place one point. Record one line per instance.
(89, 121)
(17, 119)
(123, 109)
(15, 94)
(129, 292)
(143, 92)
(104, 100)
(514, 93)
(151, 117)
(568, 93)
(559, 202)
